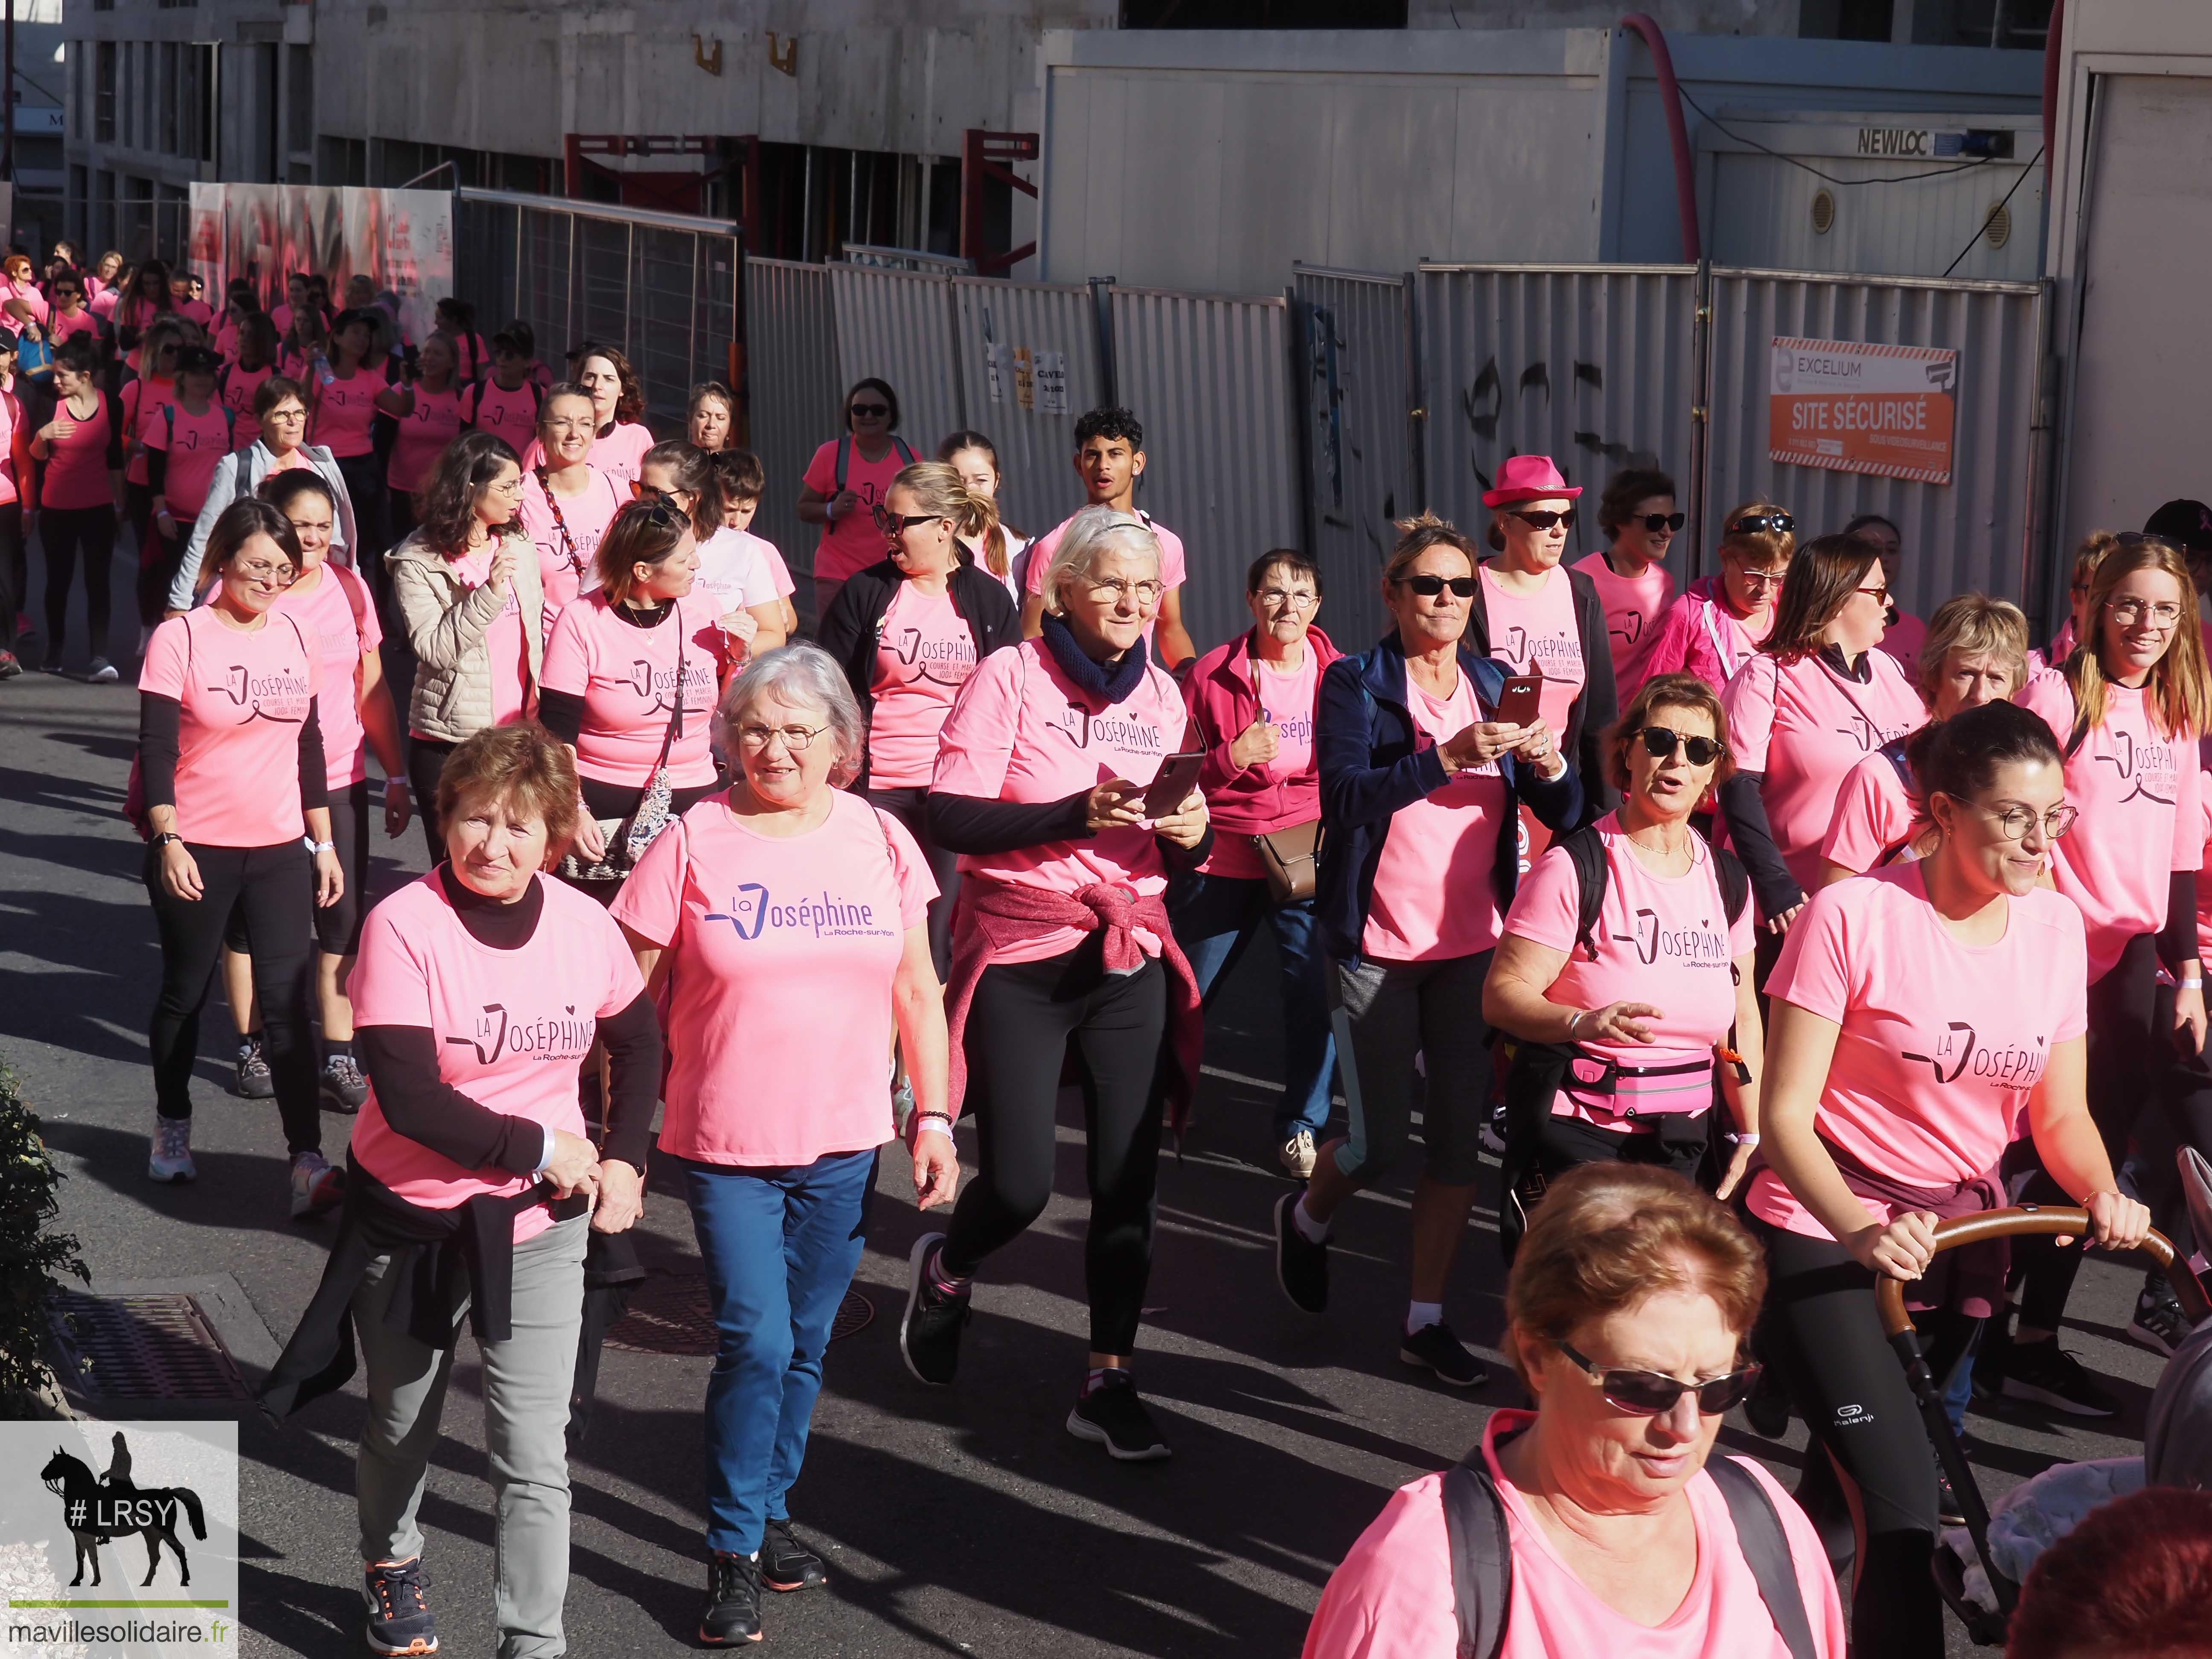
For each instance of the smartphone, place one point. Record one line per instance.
(1519, 703)
(1171, 785)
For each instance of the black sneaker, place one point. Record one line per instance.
(788, 1565)
(732, 1614)
(254, 1082)
(1112, 1416)
(929, 1333)
(2044, 1372)
(399, 1618)
(2159, 1324)
(1991, 1358)
(1767, 1409)
(1300, 1266)
(1435, 1346)
(1948, 1509)
(343, 1084)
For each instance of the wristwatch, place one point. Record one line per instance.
(314, 846)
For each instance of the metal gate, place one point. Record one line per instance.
(898, 325)
(1029, 362)
(794, 392)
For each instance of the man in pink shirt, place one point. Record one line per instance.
(1638, 512)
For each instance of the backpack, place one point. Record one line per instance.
(1482, 1554)
(845, 458)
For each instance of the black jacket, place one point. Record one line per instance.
(854, 626)
(1596, 709)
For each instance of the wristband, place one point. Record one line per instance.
(2194, 982)
(165, 837)
(314, 846)
(1748, 1139)
(1575, 1019)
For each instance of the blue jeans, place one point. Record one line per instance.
(780, 1247)
(1215, 918)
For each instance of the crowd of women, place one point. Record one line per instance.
(1801, 925)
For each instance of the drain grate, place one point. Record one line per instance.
(669, 1313)
(148, 1346)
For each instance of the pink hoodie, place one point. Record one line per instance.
(1250, 800)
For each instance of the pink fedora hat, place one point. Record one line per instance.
(1528, 478)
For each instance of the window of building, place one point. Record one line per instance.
(78, 214)
(104, 95)
(194, 100)
(300, 99)
(165, 100)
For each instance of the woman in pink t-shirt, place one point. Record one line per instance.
(733, 576)
(79, 450)
(1638, 513)
(845, 480)
(101, 283)
(1720, 622)
(231, 774)
(763, 907)
(1921, 1017)
(1976, 653)
(1816, 699)
(480, 990)
(1631, 1030)
(710, 423)
(146, 399)
(999, 549)
(619, 436)
(1627, 1315)
(1906, 632)
(346, 391)
(1062, 939)
(567, 503)
(145, 301)
(454, 322)
(428, 408)
(183, 447)
(18, 506)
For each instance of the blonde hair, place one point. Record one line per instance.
(2177, 694)
(1091, 534)
(1978, 626)
(1418, 534)
(1757, 546)
(937, 490)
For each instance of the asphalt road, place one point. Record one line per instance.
(960, 1522)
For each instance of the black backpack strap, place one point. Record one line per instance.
(844, 462)
(1586, 850)
(1766, 1548)
(1894, 752)
(1481, 1556)
(905, 455)
(1734, 880)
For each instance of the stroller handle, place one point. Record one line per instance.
(2029, 1219)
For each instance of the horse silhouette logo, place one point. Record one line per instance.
(98, 1508)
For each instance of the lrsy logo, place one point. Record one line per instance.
(2153, 761)
(944, 662)
(822, 914)
(98, 1509)
(1521, 651)
(281, 690)
(1628, 627)
(548, 1036)
(1694, 946)
(1083, 729)
(1957, 1052)
(1865, 733)
(746, 911)
(656, 685)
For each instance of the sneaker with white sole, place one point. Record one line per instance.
(1298, 1156)
(2159, 1325)
(1111, 1415)
(169, 1158)
(316, 1186)
(399, 1620)
(101, 671)
(343, 1084)
(1494, 1131)
(254, 1079)
(2045, 1373)
(1436, 1348)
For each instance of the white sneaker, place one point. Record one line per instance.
(102, 671)
(1297, 1155)
(315, 1186)
(169, 1158)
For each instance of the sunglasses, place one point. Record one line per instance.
(1654, 523)
(1429, 586)
(1647, 1394)
(657, 510)
(1759, 524)
(897, 524)
(871, 409)
(1660, 742)
(1880, 593)
(1543, 519)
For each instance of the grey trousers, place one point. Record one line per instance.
(1386, 1013)
(526, 1380)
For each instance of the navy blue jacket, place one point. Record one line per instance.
(1371, 766)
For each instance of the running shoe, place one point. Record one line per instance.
(2159, 1324)
(1767, 1409)
(1112, 1416)
(1494, 1131)
(254, 1082)
(732, 1614)
(9, 666)
(1301, 1266)
(169, 1158)
(929, 1333)
(54, 662)
(1948, 1509)
(2045, 1373)
(1297, 1155)
(1435, 1346)
(343, 1084)
(316, 1187)
(399, 1618)
(101, 671)
(788, 1565)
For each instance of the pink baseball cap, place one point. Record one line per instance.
(1528, 478)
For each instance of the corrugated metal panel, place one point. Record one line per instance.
(1969, 534)
(1037, 485)
(1596, 366)
(1209, 378)
(795, 389)
(1358, 375)
(897, 324)
(1762, 215)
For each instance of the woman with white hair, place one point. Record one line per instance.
(782, 896)
(1041, 787)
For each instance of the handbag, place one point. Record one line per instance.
(35, 358)
(627, 839)
(1289, 857)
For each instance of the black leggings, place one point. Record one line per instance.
(1018, 1033)
(364, 483)
(269, 886)
(426, 758)
(1876, 1486)
(62, 531)
(15, 574)
(907, 806)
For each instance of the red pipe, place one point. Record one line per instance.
(2052, 58)
(1678, 135)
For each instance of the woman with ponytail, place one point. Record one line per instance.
(732, 574)
(1004, 551)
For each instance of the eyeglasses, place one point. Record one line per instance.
(1544, 519)
(1760, 524)
(1660, 741)
(284, 414)
(268, 575)
(2128, 612)
(866, 410)
(795, 738)
(512, 486)
(1880, 593)
(1297, 599)
(645, 492)
(1429, 586)
(1758, 582)
(1654, 523)
(897, 524)
(2017, 820)
(1113, 592)
(1647, 1394)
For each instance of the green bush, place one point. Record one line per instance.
(30, 1255)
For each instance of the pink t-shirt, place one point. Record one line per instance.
(513, 1026)
(1903, 641)
(1173, 565)
(62, 325)
(235, 391)
(765, 933)
(341, 412)
(1804, 726)
(75, 471)
(245, 693)
(2204, 887)
(778, 570)
(1662, 940)
(617, 454)
(925, 652)
(435, 421)
(1633, 606)
(513, 416)
(1020, 731)
(194, 445)
(1392, 1598)
(734, 572)
(1873, 814)
(2137, 795)
(566, 532)
(627, 677)
(339, 619)
(1941, 1044)
(1433, 895)
(1288, 701)
(1536, 633)
(852, 542)
(143, 402)
(11, 416)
